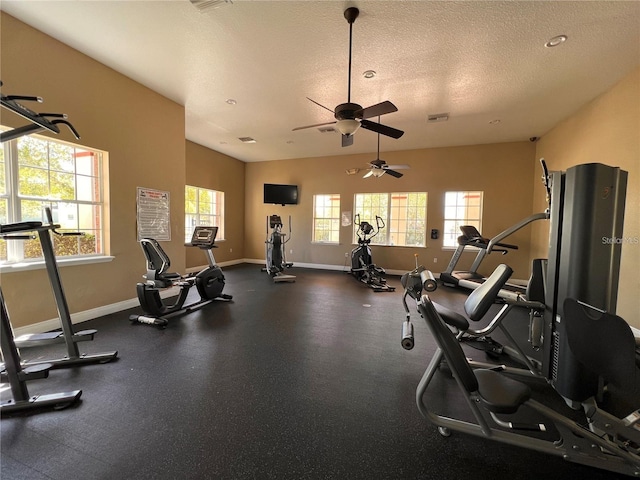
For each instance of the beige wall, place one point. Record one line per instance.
(502, 171)
(144, 135)
(607, 130)
(216, 171)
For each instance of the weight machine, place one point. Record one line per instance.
(586, 347)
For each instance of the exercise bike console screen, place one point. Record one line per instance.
(204, 236)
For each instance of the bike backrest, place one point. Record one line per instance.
(602, 342)
(481, 299)
(157, 260)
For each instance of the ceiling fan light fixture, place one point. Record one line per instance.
(347, 127)
(378, 173)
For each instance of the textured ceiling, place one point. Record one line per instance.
(478, 61)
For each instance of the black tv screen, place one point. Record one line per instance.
(280, 194)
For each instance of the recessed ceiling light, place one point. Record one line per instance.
(231, 101)
(555, 41)
(247, 140)
(290, 142)
(495, 122)
(369, 74)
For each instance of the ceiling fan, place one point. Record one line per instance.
(351, 116)
(378, 167)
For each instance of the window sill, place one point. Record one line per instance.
(64, 262)
(325, 243)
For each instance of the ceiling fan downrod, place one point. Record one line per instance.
(350, 14)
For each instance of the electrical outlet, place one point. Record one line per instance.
(291, 251)
(230, 250)
(346, 254)
(435, 260)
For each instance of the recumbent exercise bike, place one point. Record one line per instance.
(209, 281)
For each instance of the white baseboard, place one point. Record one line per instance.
(79, 317)
(323, 266)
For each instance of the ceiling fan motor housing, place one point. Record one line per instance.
(347, 111)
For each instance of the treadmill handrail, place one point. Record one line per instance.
(514, 228)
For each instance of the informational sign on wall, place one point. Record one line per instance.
(153, 214)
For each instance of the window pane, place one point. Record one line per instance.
(461, 208)
(47, 176)
(87, 188)
(32, 151)
(326, 221)
(62, 185)
(203, 207)
(61, 157)
(407, 224)
(33, 182)
(3, 180)
(86, 163)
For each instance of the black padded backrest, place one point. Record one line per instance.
(535, 286)
(481, 299)
(602, 342)
(157, 260)
(450, 346)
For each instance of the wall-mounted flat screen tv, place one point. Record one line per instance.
(280, 194)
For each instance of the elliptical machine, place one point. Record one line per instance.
(209, 281)
(362, 266)
(276, 261)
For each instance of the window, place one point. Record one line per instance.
(326, 218)
(203, 207)
(404, 215)
(36, 172)
(460, 208)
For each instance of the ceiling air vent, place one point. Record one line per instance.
(247, 139)
(204, 5)
(327, 129)
(438, 117)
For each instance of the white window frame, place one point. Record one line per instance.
(326, 218)
(459, 210)
(394, 214)
(75, 220)
(195, 218)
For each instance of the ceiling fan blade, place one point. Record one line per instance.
(378, 109)
(315, 125)
(347, 140)
(393, 173)
(368, 174)
(320, 105)
(383, 129)
(397, 167)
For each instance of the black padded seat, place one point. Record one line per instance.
(452, 318)
(499, 393)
